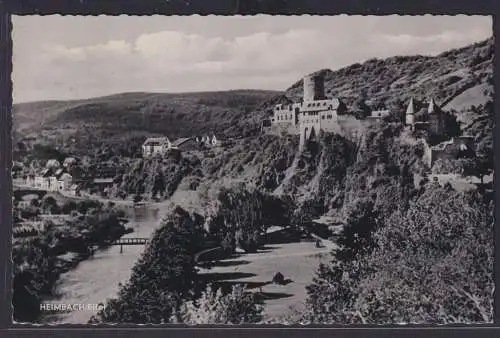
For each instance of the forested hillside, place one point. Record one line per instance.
(457, 79)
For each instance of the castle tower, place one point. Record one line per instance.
(410, 113)
(435, 118)
(314, 88)
(432, 107)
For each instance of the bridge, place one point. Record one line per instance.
(130, 241)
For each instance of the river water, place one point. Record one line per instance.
(95, 280)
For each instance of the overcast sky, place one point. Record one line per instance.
(68, 57)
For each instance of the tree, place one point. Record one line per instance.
(356, 237)
(163, 278)
(213, 307)
(158, 184)
(137, 198)
(483, 162)
(432, 264)
(240, 212)
(49, 204)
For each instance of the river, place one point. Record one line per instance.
(95, 280)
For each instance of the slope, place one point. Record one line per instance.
(457, 79)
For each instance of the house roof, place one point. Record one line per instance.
(103, 180)
(46, 172)
(180, 141)
(156, 141)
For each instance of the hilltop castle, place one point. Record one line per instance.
(314, 113)
(435, 122)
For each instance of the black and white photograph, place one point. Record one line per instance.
(266, 169)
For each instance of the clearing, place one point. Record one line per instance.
(298, 262)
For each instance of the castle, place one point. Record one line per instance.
(435, 118)
(314, 113)
(435, 123)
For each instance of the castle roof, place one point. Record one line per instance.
(411, 107)
(320, 105)
(432, 108)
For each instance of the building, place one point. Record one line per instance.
(156, 146)
(410, 114)
(314, 113)
(379, 114)
(433, 122)
(436, 118)
(449, 150)
(208, 141)
(65, 181)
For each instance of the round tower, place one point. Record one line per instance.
(314, 87)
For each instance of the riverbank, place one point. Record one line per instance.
(97, 279)
(40, 260)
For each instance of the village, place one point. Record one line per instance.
(65, 178)
(308, 118)
(315, 113)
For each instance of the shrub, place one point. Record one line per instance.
(213, 307)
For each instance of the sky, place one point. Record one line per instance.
(76, 57)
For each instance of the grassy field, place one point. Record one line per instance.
(298, 262)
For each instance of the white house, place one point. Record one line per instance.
(379, 114)
(156, 146)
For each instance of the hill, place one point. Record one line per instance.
(457, 79)
(68, 122)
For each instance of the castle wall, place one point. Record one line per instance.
(309, 123)
(436, 124)
(427, 157)
(449, 150)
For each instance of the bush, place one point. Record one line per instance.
(213, 307)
